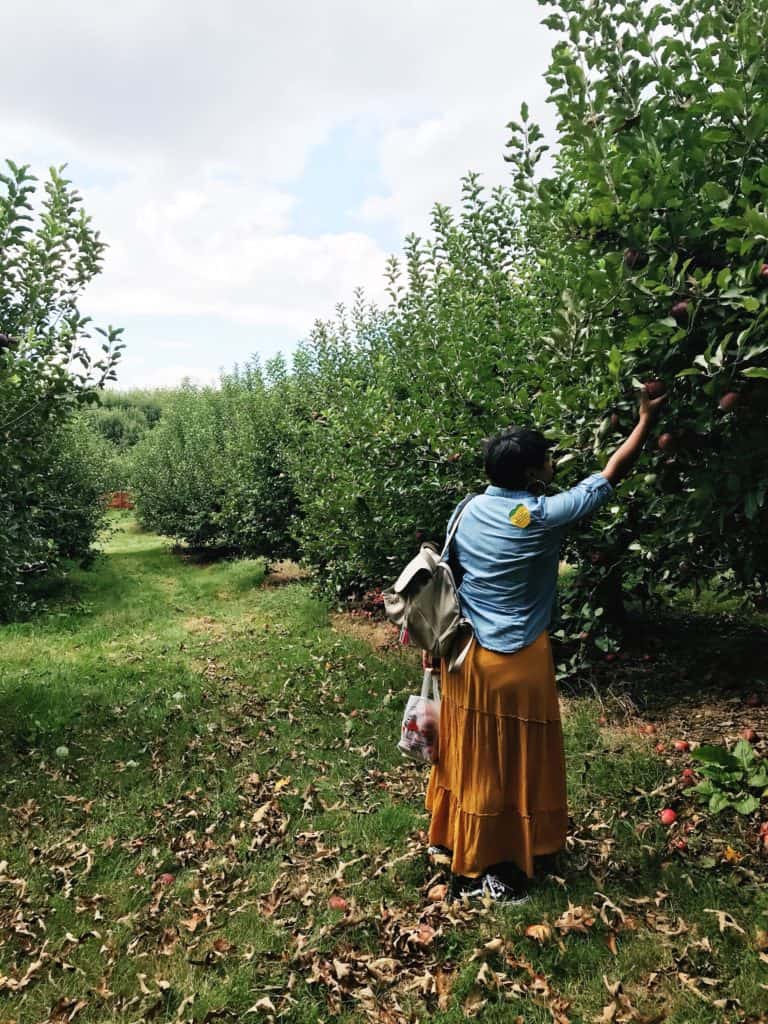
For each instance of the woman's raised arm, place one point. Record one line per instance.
(623, 459)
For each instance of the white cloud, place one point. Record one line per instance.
(188, 127)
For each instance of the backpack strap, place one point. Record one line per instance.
(455, 524)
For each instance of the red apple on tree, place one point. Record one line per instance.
(635, 259)
(666, 443)
(655, 388)
(680, 309)
(729, 401)
(764, 272)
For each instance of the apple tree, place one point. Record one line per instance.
(50, 507)
(390, 405)
(649, 242)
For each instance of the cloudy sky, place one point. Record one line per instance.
(251, 163)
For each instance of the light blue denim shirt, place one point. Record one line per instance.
(509, 586)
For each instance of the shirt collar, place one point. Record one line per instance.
(505, 492)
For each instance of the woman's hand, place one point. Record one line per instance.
(624, 458)
(650, 408)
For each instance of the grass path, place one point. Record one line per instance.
(203, 817)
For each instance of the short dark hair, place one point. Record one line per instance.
(510, 452)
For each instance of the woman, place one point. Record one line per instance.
(497, 795)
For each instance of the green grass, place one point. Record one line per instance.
(219, 730)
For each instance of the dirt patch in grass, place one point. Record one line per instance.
(380, 635)
(284, 572)
(205, 624)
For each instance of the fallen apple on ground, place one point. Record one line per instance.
(668, 816)
(681, 746)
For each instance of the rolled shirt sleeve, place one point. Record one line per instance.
(577, 502)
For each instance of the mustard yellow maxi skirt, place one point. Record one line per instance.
(497, 793)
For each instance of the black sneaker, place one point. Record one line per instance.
(462, 886)
(499, 891)
(488, 886)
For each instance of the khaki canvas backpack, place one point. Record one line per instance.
(424, 602)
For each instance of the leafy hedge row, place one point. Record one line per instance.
(51, 470)
(211, 472)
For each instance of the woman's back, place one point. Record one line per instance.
(508, 545)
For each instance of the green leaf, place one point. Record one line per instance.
(718, 803)
(715, 192)
(713, 136)
(747, 805)
(729, 101)
(712, 755)
(753, 372)
(756, 222)
(745, 754)
(703, 788)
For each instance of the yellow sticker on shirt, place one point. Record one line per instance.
(520, 516)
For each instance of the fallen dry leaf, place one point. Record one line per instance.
(540, 932)
(575, 919)
(725, 920)
(263, 1005)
